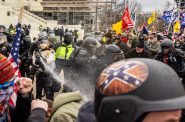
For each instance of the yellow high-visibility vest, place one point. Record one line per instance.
(104, 40)
(13, 31)
(61, 52)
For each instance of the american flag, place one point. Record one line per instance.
(14, 59)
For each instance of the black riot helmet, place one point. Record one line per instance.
(44, 44)
(166, 44)
(88, 35)
(112, 49)
(89, 42)
(27, 41)
(2, 28)
(25, 30)
(68, 38)
(129, 89)
(43, 35)
(3, 38)
(114, 52)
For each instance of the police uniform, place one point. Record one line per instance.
(44, 80)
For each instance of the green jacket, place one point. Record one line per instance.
(65, 107)
(133, 42)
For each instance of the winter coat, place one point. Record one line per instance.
(37, 115)
(123, 47)
(86, 113)
(133, 42)
(133, 54)
(22, 110)
(65, 107)
(174, 60)
(100, 51)
(154, 48)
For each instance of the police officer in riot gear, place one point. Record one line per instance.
(26, 30)
(113, 53)
(5, 46)
(85, 55)
(8, 36)
(23, 52)
(65, 52)
(52, 37)
(44, 55)
(88, 35)
(25, 45)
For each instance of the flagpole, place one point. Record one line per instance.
(135, 20)
(20, 16)
(173, 15)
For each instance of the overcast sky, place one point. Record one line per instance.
(151, 5)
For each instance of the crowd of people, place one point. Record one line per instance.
(135, 77)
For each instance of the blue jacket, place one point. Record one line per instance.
(86, 113)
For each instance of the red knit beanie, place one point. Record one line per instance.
(6, 70)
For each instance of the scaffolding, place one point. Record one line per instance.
(74, 12)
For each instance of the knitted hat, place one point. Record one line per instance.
(140, 45)
(6, 70)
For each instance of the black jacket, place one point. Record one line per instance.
(174, 60)
(37, 115)
(21, 113)
(133, 54)
(22, 110)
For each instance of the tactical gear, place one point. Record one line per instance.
(64, 52)
(88, 35)
(89, 42)
(43, 35)
(27, 42)
(114, 52)
(112, 49)
(68, 38)
(2, 28)
(44, 44)
(134, 87)
(5, 46)
(3, 38)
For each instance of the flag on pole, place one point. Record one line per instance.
(167, 16)
(126, 20)
(117, 27)
(144, 30)
(182, 21)
(152, 18)
(14, 59)
(177, 26)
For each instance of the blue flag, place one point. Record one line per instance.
(182, 18)
(168, 16)
(145, 30)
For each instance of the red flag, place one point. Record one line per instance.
(126, 20)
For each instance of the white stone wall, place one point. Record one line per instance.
(35, 6)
